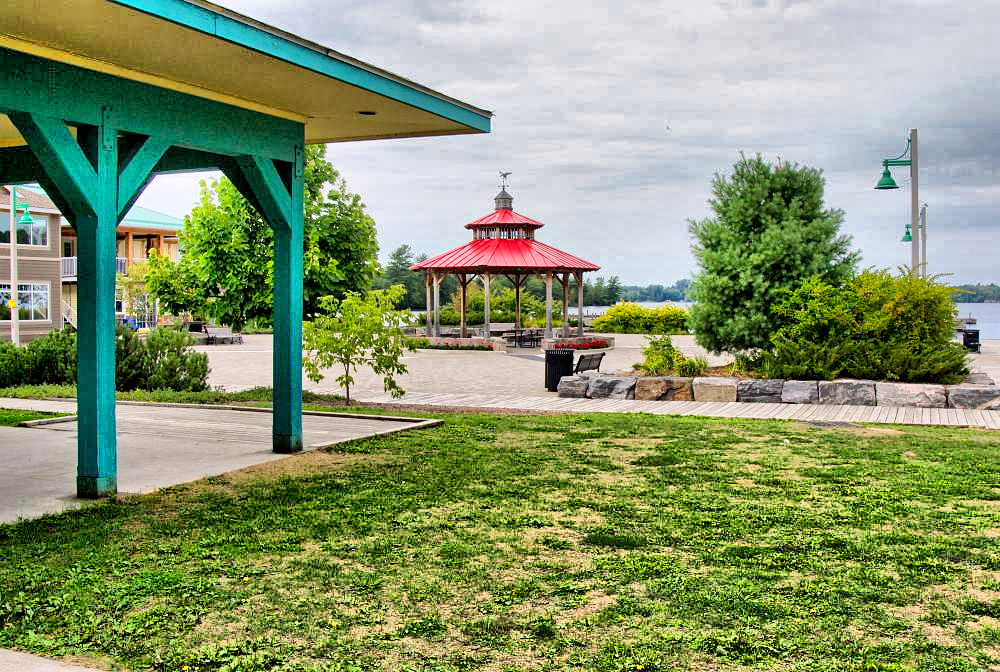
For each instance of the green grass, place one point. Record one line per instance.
(12, 417)
(602, 542)
(256, 394)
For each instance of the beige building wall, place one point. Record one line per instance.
(36, 265)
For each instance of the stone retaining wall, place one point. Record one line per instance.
(593, 385)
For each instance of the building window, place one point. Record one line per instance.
(32, 302)
(35, 233)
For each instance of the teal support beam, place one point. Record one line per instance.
(281, 203)
(137, 173)
(60, 157)
(39, 86)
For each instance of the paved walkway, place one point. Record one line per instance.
(158, 446)
(13, 661)
(520, 372)
(716, 409)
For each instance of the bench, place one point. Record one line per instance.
(220, 335)
(589, 362)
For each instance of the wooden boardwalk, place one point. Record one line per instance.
(952, 417)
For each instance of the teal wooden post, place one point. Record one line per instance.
(287, 381)
(96, 474)
(280, 199)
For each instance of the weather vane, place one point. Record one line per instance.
(503, 179)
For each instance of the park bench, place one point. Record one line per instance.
(220, 335)
(590, 361)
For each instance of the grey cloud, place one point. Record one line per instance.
(582, 90)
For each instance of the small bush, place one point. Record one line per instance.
(131, 362)
(13, 365)
(692, 367)
(172, 366)
(51, 359)
(662, 358)
(876, 326)
(631, 318)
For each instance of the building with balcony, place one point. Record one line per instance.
(47, 262)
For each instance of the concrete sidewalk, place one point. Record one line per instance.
(158, 446)
(13, 661)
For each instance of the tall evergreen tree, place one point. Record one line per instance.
(769, 231)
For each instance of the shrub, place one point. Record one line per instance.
(13, 365)
(131, 361)
(769, 230)
(660, 356)
(591, 344)
(172, 366)
(51, 359)
(877, 326)
(631, 318)
(692, 367)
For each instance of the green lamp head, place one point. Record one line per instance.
(886, 182)
(26, 217)
(907, 237)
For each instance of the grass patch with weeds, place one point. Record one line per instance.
(11, 417)
(498, 543)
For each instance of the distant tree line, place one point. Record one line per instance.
(675, 292)
(978, 293)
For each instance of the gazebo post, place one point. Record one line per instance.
(548, 304)
(437, 305)
(486, 302)
(517, 300)
(462, 280)
(579, 303)
(429, 315)
(565, 304)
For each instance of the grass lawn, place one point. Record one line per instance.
(11, 417)
(601, 542)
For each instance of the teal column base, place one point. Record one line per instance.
(287, 443)
(95, 487)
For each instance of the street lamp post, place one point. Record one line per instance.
(886, 182)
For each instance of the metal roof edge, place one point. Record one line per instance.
(236, 28)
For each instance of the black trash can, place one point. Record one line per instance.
(970, 339)
(558, 363)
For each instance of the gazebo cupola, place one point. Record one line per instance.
(503, 223)
(503, 245)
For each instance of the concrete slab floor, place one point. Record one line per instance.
(158, 446)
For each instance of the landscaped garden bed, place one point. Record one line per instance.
(578, 343)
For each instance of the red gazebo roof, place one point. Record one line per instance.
(500, 254)
(504, 218)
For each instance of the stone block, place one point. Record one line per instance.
(919, 395)
(800, 392)
(714, 389)
(759, 391)
(573, 386)
(847, 392)
(981, 397)
(664, 388)
(611, 387)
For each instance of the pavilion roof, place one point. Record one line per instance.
(502, 254)
(200, 48)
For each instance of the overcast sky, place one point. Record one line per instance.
(582, 93)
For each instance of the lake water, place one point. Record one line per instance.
(987, 314)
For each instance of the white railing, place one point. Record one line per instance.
(68, 266)
(68, 313)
